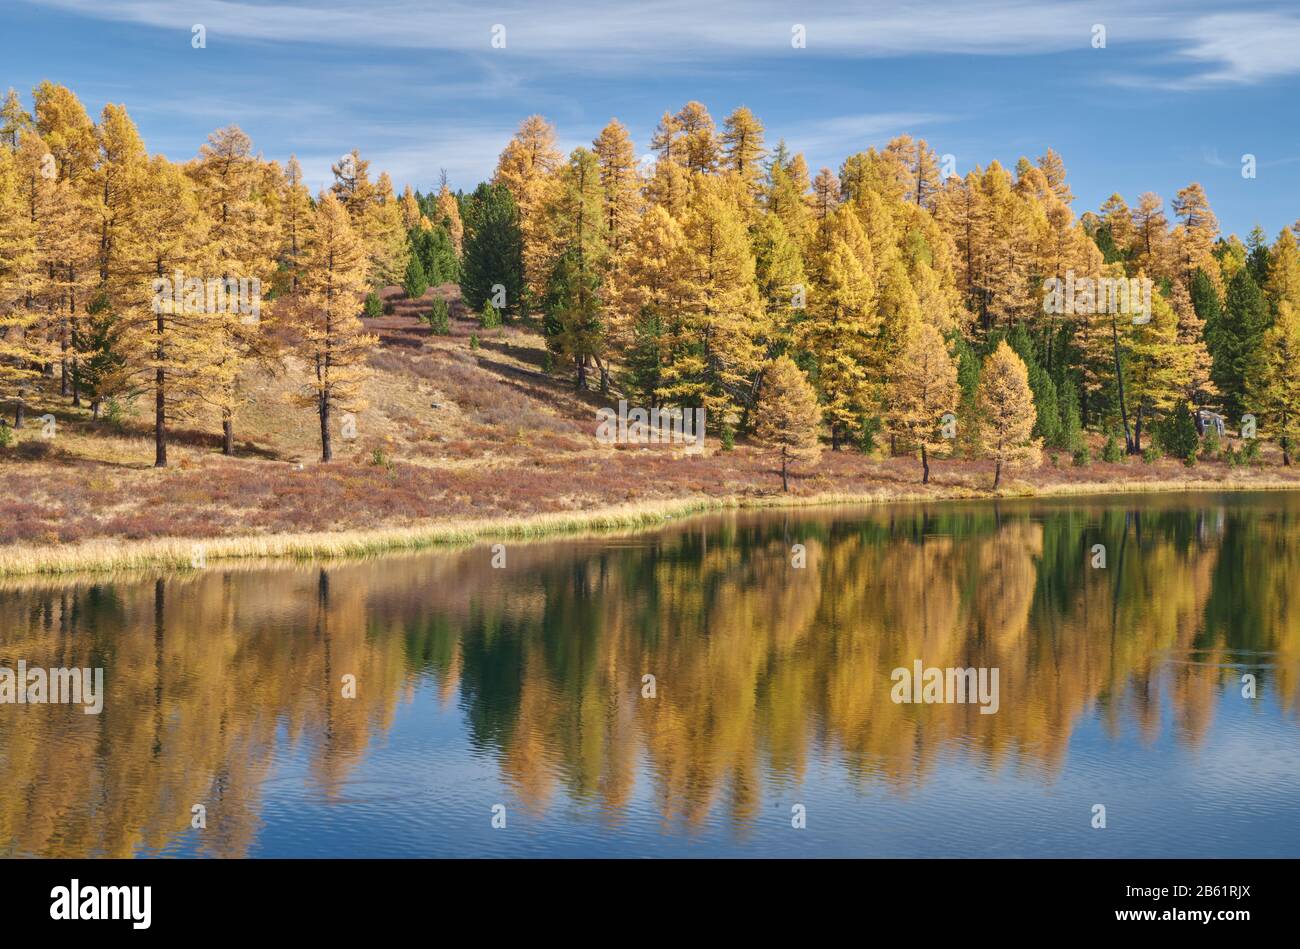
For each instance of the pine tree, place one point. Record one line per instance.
(924, 387)
(788, 416)
(415, 282)
(493, 250)
(14, 120)
(331, 339)
(1236, 340)
(1006, 416)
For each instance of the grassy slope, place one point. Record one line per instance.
(507, 449)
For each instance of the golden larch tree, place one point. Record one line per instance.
(330, 336)
(788, 418)
(923, 388)
(1006, 413)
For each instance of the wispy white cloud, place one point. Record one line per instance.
(1221, 48)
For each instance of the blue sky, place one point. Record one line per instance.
(1180, 92)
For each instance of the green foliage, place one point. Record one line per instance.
(439, 318)
(1236, 341)
(1082, 456)
(645, 360)
(473, 341)
(1113, 452)
(100, 360)
(1150, 454)
(1071, 426)
(6, 435)
(490, 318)
(1252, 452)
(415, 282)
(493, 249)
(1210, 444)
(727, 437)
(373, 306)
(1176, 433)
(437, 254)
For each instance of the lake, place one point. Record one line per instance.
(1146, 652)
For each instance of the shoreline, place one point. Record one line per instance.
(175, 553)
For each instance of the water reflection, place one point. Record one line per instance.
(764, 672)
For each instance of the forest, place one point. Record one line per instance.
(881, 307)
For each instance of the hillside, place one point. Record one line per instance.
(450, 433)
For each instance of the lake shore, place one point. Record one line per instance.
(197, 552)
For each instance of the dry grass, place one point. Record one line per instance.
(453, 445)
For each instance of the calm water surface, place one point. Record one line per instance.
(522, 687)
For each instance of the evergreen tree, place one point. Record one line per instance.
(1236, 340)
(493, 250)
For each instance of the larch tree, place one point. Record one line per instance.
(239, 254)
(330, 337)
(448, 214)
(788, 417)
(620, 183)
(924, 387)
(713, 354)
(169, 333)
(295, 222)
(572, 305)
(1197, 229)
(742, 148)
(528, 167)
(842, 322)
(647, 301)
(1274, 388)
(14, 119)
(22, 344)
(699, 138)
(1005, 412)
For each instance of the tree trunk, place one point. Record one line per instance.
(1119, 378)
(20, 410)
(925, 466)
(160, 417)
(997, 474)
(227, 433)
(96, 404)
(785, 483)
(326, 448)
(1137, 431)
